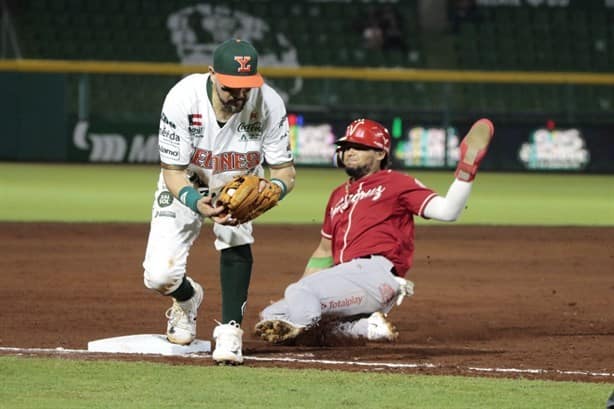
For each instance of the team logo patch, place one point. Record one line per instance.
(386, 292)
(243, 61)
(165, 199)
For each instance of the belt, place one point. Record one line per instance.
(393, 270)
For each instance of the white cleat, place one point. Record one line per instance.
(181, 327)
(380, 329)
(228, 344)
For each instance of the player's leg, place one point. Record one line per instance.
(362, 286)
(276, 310)
(235, 274)
(275, 325)
(375, 327)
(173, 230)
(234, 244)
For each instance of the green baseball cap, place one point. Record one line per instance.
(235, 63)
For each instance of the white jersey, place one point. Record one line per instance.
(191, 136)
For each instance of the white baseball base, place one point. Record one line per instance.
(147, 344)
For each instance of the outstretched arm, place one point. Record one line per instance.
(449, 208)
(473, 147)
(321, 258)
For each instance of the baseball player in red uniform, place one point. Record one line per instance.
(213, 127)
(357, 272)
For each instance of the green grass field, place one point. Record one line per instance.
(63, 384)
(118, 193)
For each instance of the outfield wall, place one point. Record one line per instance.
(38, 127)
(416, 144)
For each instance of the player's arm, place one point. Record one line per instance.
(176, 180)
(473, 147)
(283, 176)
(449, 207)
(321, 258)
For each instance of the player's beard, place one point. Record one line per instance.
(357, 172)
(233, 105)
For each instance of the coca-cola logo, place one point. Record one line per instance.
(250, 128)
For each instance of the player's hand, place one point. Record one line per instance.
(406, 289)
(214, 213)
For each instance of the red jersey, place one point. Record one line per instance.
(375, 215)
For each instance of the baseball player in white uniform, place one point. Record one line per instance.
(213, 127)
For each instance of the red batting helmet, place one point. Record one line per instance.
(365, 132)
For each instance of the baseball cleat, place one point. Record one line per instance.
(181, 327)
(380, 329)
(228, 344)
(277, 331)
(473, 147)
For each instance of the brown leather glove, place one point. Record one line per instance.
(242, 200)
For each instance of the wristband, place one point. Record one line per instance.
(282, 185)
(320, 262)
(190, 197)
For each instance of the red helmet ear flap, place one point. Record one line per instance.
(385, 163)
(339, 157)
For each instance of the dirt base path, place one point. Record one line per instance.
(487, 297)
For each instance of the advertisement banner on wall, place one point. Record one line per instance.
(106, 142)
(415, 145)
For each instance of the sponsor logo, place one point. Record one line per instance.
(312, 144)
(195, 119)
(165, 199)
(165, 120)
(342, 303)
(196, 131)
(252, 128)
(282, 121)
(114, 147)
(226, 161)
(555, 149)
(165, 213)
(428, 147)
(349, 199)
(170, 152)
(168, 135)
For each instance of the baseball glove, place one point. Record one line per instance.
(242, 200)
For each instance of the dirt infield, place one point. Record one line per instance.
(488, 297)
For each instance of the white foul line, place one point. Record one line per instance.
(60, 350)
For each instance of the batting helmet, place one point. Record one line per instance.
(365, 132)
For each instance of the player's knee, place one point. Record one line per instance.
(162, 280)
(304, 306)
(276, 310)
